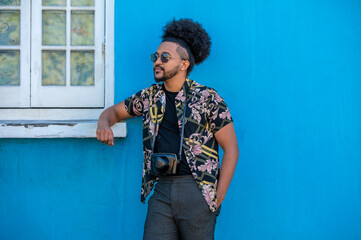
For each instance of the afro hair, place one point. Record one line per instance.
(196, 39)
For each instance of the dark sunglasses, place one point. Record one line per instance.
(164, 57)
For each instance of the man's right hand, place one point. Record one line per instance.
(105, 134)
(108, 118)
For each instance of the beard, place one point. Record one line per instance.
(166, 75)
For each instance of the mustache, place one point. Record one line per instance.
(158, 67)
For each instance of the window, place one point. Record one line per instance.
(56, 65)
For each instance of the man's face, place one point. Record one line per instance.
(164, 71)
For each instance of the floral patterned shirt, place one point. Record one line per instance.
(206, 113)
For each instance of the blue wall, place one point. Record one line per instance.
(290, 72)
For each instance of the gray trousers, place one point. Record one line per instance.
(177, 210)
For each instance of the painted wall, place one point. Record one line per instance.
(290, 72)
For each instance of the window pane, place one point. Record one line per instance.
(82, 28)
(82, 68)
(54, 28)
(82, 2)
(9, 2)
(9, 27)
(9, 68)
(54, 2)
(53, 68)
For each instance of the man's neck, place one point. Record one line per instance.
(174, 84)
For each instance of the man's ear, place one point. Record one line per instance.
(184, 65)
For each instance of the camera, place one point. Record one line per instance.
(163, 164)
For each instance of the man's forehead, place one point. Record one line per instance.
(170, 47)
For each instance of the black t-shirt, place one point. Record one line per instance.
(168, 138)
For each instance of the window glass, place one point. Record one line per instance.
(9, 68)
(54, 2)
(9, 27)
(9, 2)
(82, 68)
(53, 28)
(82, 2)
(82, 28)
(53, 68)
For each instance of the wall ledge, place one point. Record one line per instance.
(55, 129)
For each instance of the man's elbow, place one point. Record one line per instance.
(236, 153)
(232, 151)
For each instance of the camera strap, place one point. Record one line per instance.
(182, 130)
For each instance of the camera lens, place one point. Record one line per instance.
(162, 164)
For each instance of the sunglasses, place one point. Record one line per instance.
(164, 57)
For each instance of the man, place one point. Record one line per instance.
(183, 123)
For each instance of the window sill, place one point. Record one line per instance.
(55, 129)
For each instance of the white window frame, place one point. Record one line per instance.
(25, 122)
(19, 96)
(76, 96)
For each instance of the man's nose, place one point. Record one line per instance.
(158, 61)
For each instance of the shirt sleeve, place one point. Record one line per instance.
(219, 115)
(134, 104)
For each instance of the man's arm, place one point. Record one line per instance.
(108, 118)
(226, 138)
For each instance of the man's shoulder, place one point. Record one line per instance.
(154, 86)
(145, 92)
(200, 88)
